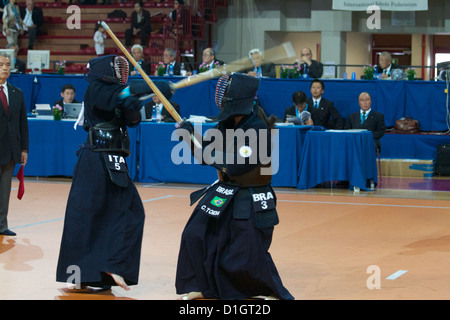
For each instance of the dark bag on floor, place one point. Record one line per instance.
(406, 125)
(442, 164)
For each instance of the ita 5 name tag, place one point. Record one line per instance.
(217, 199)
(117, 169)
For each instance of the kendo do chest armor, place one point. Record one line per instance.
(110, 137)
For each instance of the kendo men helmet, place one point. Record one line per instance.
(110, 68)
(235, 95)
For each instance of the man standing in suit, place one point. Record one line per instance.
(313, 68)
(13, 138)
(323, 111)
(140, 22)
(368, 119)
(386, 66)
(33, 19)
(260, 69)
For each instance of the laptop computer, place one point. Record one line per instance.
(72, 110)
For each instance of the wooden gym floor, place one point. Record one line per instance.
(330, 243)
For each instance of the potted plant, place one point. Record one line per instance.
(205, 67)
(411, 73)
(161, 69)
(295, 71)
(368, 72)
(61, 67)
(57, 112)
(284, 71)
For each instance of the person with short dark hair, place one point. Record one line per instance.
(140, 22)
(300, 105)
(323, 112)
(67, 96)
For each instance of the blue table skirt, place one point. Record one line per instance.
(53, 147)
(424, 101)
(412, 146)
(159, 149)
(330, 156)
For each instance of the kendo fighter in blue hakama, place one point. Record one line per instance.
(104, 220)
(224, 246)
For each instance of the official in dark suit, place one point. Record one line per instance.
(260, 68)
(386, 66)
(169, 57)
(13, 138)
(368, 119)
(209, 58)
(160, 110)
(33, 18)
(67, 96)
(140, 22)
(137, 51)
(313, 68)
(323, 112)
(300, 105)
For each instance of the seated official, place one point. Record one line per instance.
(161, 113)
(17, 66)
(260, 69)
(386, 66)
(313, 68)
(300, 105)
(209, 59)
(366, 118)
(323, 111)
(137, 51)
(67, 96)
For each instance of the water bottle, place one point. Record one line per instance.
(170, 70)
(183, 70)
(154, 113)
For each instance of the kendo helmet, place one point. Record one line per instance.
(235, 95)
(110, 68)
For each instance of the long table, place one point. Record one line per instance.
(155, 153)
(164, 158)
(53, 147)
(421, 100)
(332, 155)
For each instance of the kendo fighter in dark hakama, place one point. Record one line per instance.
(224, 246)
(104, 220)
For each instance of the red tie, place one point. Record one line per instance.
(4, 99)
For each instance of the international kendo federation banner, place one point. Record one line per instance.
(387, 5)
